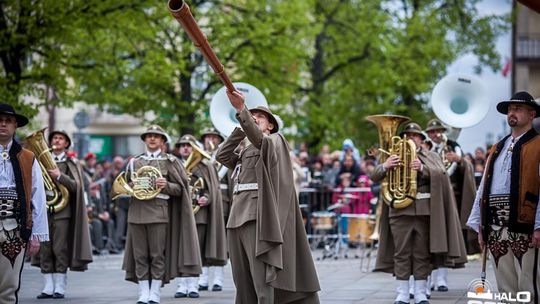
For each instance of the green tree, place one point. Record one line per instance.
(145, 62)
(374, 57)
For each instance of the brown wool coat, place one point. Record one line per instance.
(445, 239)
(182, 254)
(80, 248)
(216, 242)
(281, 241)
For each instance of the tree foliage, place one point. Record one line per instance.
(323, 65)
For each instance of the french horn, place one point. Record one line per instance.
(144, 184)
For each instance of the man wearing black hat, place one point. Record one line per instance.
(505, 212)
(211, 140)
(270, 256)
(426, 232)
(461, 173)
(209, 217)
(161, 241)
(69, 245)
(23, 215)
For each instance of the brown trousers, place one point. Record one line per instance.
(149, 250)
(248, 272)
(10, 276)
(54, 254)
(411, 242)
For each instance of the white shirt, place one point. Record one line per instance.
(40, 227)
(500, 183)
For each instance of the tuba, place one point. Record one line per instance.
(459, 101)
(196, 184)
(398, 188)
(57, 194)
(144, 184)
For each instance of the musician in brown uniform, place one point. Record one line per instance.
(412, 238)
(161, 239)
(211, 140)
(69, 246)
(461, 173)
(209, 217)
(270, 257)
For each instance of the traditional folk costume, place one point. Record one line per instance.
(23, 214)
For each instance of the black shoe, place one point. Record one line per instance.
(193, 294)
(442, 288)
(44, 296)
(57, 295)
(428, 296)
(153, 302)
(201, 287)
(411, 296)
(423, 302)
(216, 287)
(141, 302)
(180, 295)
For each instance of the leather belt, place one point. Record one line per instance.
(223, 186)
(163, 196)
(423, 195)
(245, 187)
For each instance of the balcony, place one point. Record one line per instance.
(528, 48)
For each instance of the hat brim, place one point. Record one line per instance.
(271, 118)
(21, 119)
(158, 133)
(212, 133)
(502, 107)
(415, 132)
(436, 128)
(61, 133)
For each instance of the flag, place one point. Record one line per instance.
(507, 68)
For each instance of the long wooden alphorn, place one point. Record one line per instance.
(181, 12)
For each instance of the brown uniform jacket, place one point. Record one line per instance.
(79, 245)
(445, 240)
(182, 254)
(281, 241)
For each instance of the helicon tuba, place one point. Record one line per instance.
(57, 195)
(399, 186)
(195, 184)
